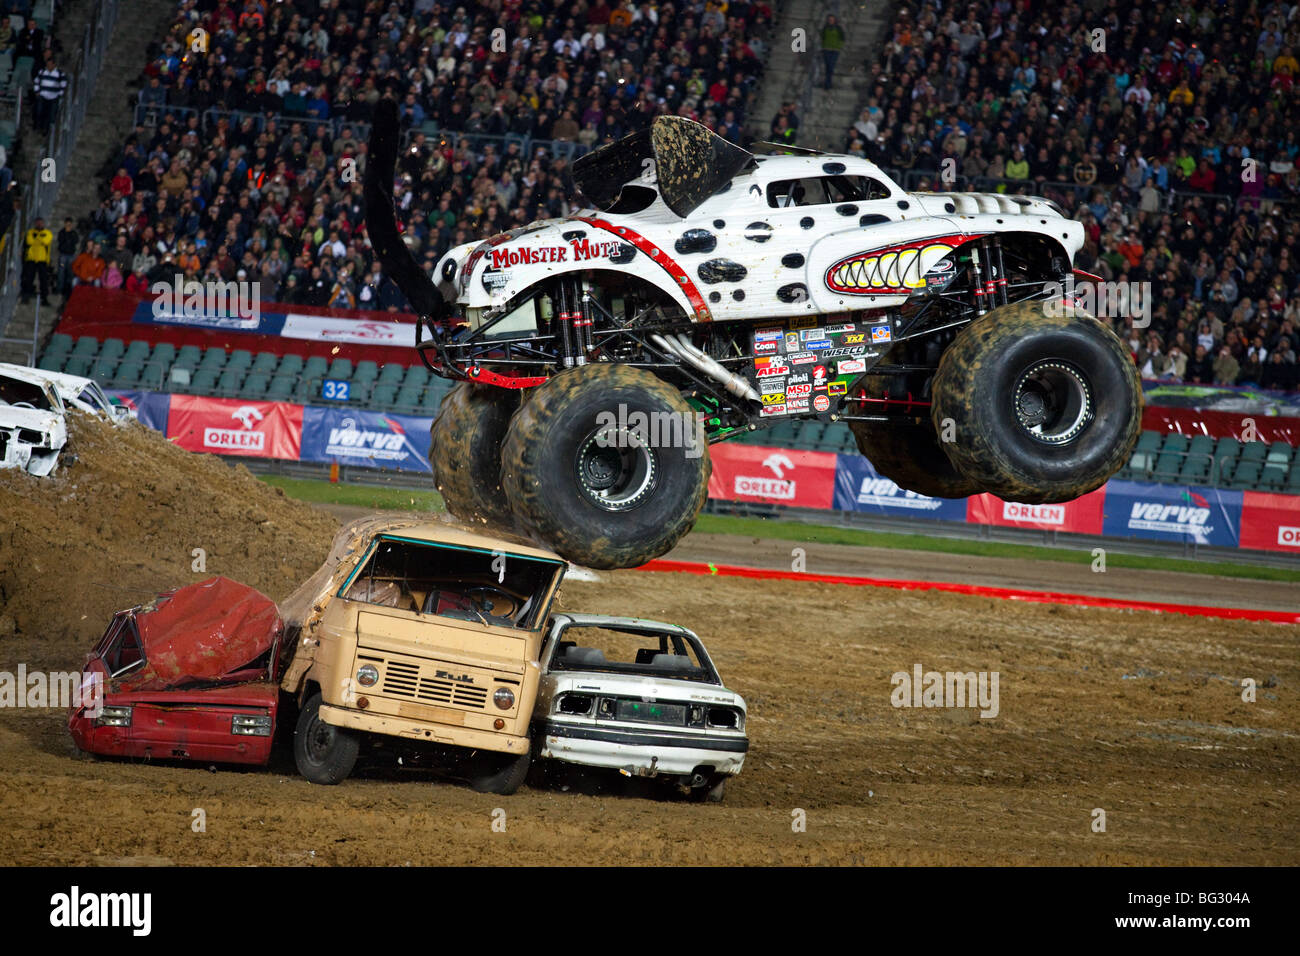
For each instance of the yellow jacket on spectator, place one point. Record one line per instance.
(38, 244)
(1181, 94)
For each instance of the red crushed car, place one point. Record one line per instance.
(192, 675)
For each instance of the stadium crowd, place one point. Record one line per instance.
(1170, 131)
(275, 194)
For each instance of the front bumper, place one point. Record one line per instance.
(425, 730)
(642, 751)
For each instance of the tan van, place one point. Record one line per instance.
(420, 630)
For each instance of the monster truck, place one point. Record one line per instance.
(711, 291)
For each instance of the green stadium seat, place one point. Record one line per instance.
(1140, 464)
(290, 365)
(316, 365)
(228, 384)
(384, 395)
(416, 375)
(281, 388)
(408, 398)
(52, 361)
(366, 371)
(1272, 477)
(189, 356)
(255, 386)
(1254, 451)
(103, 369)
(1149, 441)
(204, 382)
(340, 368)
(112, 349)
(138, 350)
(78, 365)
(1201, 445)
(60, 343)
(164, 353)
(240, 360)
(1196, 468)
(1175, 442)
(266, 362)
(87, 345)
(1246, 475)
(214, 359)
(153, 373)
(1279, 453)
(392, 374)
(431, 401)
(359, 393)
(128, 374)
(1293, 479)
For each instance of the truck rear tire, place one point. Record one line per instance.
(325, 754)
(465, 451)
(910, 455)
(1046, 402)
(580, 478)
(499, 773)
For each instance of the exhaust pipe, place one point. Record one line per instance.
(681, 347)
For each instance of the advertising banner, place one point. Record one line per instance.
(779, 476)
(1080, 516)
(353, 436)
(150, 407)
(1173, 513)
(1270, 522)
(228, 426)
(859, 488)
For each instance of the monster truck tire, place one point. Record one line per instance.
(1046, 407)
(603, 507)
(493, 772)
(910, 455)
(465, 451)
(325, 754)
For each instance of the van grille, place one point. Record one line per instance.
(406, 680)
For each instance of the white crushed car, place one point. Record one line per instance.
(32, 426)
(639, 697)
(84, 394)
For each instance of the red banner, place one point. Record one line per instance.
(1218, 424)
(1080, 516)
(779, 476)
(1270, 522)
(228, 426)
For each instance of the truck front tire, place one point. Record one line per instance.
(325, 754)
(584, 480)
(499, 773)
(1045, 402)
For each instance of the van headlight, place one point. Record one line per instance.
(504, 698)
(368, 675)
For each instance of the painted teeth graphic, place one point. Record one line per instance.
(890, 270)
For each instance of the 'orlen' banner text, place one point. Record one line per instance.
(779, 476)
(352, 436)
(228, 426)
(1270, 522)
(1080, 516)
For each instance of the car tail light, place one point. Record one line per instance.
(251, 725)
(579, 704)
(114, 717)
(724, 717)
(695, 717)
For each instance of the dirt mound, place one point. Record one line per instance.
(121, 522)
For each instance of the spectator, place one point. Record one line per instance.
(49, 85)
(36, 260)
(833, 39)
(68, 242)
(1226, 368)
(88, 268)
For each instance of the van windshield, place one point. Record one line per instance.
(466, 584)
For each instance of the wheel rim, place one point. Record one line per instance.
(1053, 402)
(615, 469)
(320, 740)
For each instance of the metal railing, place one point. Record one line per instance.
(39, 197)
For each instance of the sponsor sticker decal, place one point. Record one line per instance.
(880, 333)
(821, 403)
(851, 367)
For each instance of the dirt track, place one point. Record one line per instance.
(1137, 714)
